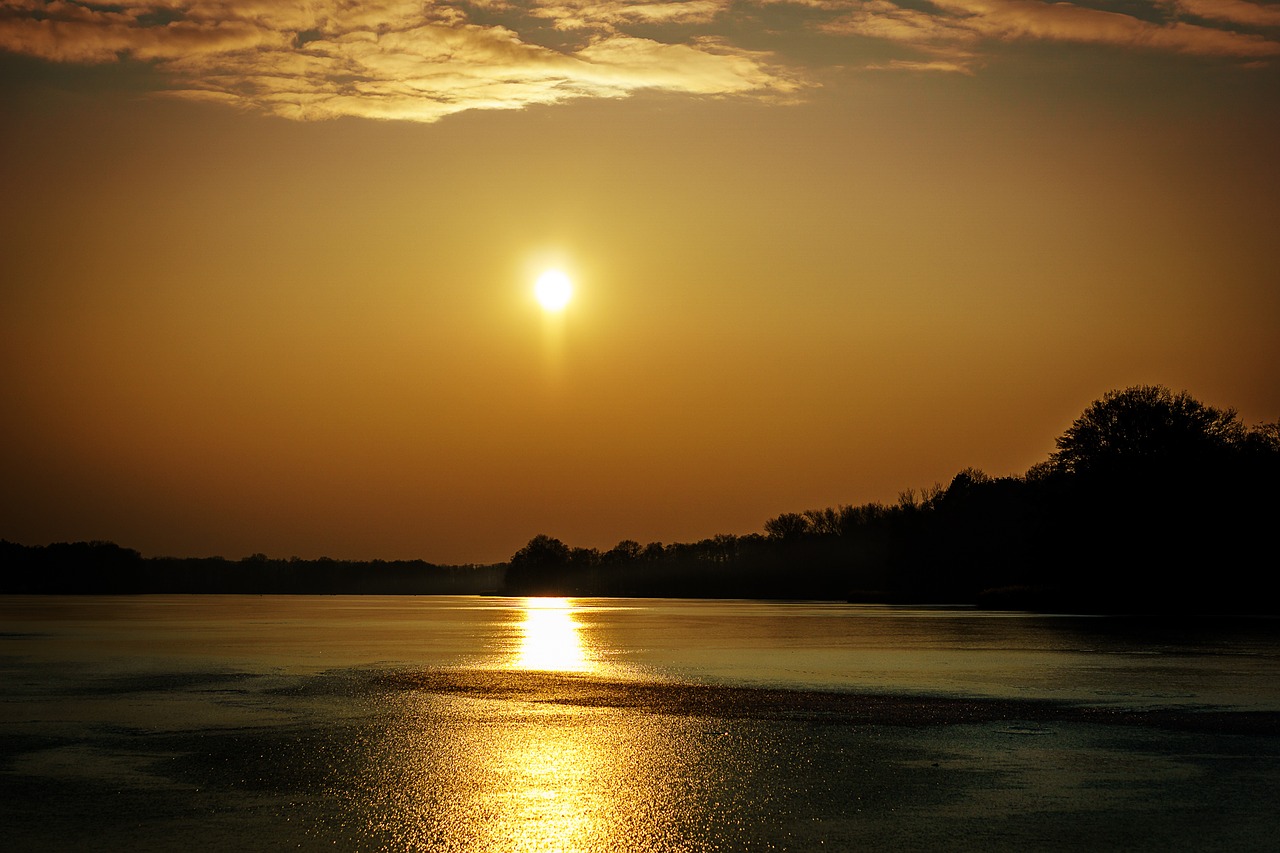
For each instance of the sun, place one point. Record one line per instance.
(553, 290)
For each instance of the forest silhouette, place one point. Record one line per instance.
(1151, 502)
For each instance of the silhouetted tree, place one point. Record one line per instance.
(1149, 494)
(788, 526)
(1263, 440)
(71, 567)
(539, 567)
(653, 551)
(626, 551)
(1142, 424)
(965, 481)
(583, 559)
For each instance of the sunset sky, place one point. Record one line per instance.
(267, 269)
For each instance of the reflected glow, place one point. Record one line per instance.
(550, 640)
(554, 801)
(521, 777)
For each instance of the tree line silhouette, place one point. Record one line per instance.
(90, 568)
(1151, 502)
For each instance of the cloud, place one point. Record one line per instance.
(421, 60)
(1012, 20)
(703, 67)
(588, 14)
(396, 60)
(1237, 12)
(883, 20)
(966, 24)
(94, 37)
(934, 66)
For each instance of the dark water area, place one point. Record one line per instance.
(466, 724)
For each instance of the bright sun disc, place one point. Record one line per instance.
(553, 290)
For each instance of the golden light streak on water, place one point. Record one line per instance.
(510, 776)
(559, 791)
(550, 639)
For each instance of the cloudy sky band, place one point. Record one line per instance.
(422, 61)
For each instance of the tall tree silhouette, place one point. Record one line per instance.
(539, 568)
(1145, 423)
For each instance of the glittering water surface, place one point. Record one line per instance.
(491, 724)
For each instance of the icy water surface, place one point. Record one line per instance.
(490, 724)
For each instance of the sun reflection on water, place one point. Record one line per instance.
(550, 640)
(557, 794)
(527, 754)
(517, 776)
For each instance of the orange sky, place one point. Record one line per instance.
(266, 275)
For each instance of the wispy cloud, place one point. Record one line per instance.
(608, 15)
(1030, 19)
(396, 60)
(932, 66)
(956, 27)
(423, 60)
(70, 33)
(1235, 12)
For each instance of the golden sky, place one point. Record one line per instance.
(266, 269)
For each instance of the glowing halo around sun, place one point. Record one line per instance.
(553, 290)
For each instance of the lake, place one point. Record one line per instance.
(503, 724)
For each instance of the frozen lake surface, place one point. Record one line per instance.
(464, 723)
